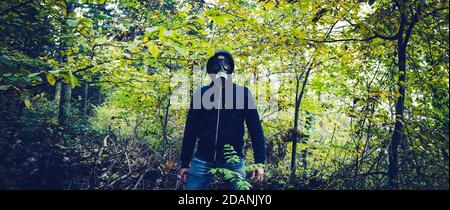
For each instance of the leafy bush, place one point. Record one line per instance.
(231, 176)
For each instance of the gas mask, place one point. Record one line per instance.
(220, 64)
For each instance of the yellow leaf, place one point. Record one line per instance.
(115, 51)
(162, 32)
(62, 5)
(210, 52)
(145, 39)
(269, 5)
(219, 20)
(27, 103)
(301, 35)
(169, 164)
(51, 80)
(244, 58)
(153, 48)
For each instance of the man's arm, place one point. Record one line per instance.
(255, 129)
(189, 137)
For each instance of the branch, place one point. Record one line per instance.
(434, 11)
(377, 35)
(414, 20)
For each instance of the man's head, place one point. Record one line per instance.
(220, 65)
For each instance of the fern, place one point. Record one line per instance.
(231, 157)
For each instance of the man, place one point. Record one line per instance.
(216, 117)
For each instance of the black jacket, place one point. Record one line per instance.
(201, 123)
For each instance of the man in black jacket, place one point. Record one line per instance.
(216, 118)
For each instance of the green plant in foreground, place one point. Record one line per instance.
(231, 157)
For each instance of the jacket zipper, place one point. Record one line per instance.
(217, 124)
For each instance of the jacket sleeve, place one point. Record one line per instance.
(255, 129)
(189, 137)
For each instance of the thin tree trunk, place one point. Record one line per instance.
(64, 105)
(298, 101)
(57, 96)
(66, 89)
(294, 141)
(166, 121)
(85, 99)
(402, 42)
(308, 126)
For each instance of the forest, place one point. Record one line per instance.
(352, 95)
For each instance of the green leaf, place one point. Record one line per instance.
(149, 32)
(168, 33)
(73, 80)
(212, 12)
(153, 48)
(34, 74)
(55, 71)
(179, 50)
(72, 22)
(4, 87)
(213, 171)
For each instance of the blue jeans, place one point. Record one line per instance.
(199, 176)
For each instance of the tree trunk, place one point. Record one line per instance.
(298, 100)
(399, 118)
(165, 124)
(402, 42)
(64, 105)
(308, 126)
(66, 89)
(294, 141)
(85, 99)
(57, 91)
